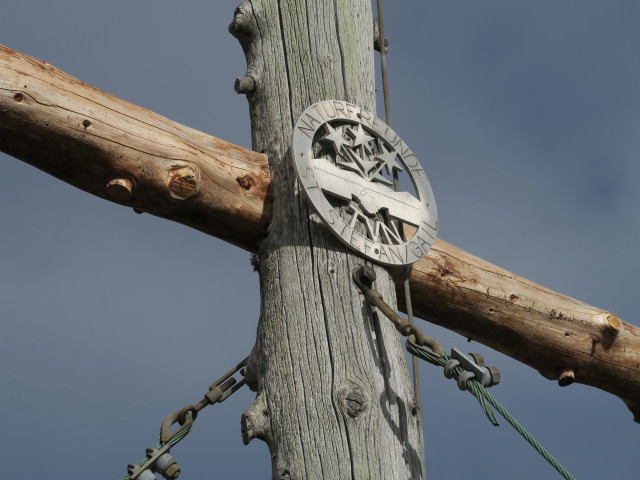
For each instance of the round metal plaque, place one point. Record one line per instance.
(345, 159)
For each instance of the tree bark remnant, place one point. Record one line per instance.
(334, 398)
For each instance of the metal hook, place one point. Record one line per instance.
(176, 417)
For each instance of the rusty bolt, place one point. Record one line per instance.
(172, 472)
(367, 275)
(86, 123)
(495, 376)
(18, 97)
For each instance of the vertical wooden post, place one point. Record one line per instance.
(334, 398)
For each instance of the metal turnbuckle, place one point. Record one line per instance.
(158, 459)
(218, 392)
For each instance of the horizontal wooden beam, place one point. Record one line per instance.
(134, 157)
(126, 154)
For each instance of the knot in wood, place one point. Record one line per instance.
(182, 184)
(245, 182)
(354, 403)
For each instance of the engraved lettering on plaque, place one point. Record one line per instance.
(352, 157)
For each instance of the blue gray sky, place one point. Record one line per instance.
(525, 115)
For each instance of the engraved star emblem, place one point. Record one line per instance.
(388, 159)
(360, 137)
(357, 157)
(335, 138)
(361, 166)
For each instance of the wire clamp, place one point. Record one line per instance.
(473, 364)
(159, 461)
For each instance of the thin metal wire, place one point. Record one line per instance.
(396, 184)
(383, 64)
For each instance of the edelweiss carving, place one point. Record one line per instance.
(346, 160)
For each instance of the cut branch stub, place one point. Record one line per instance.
(245, 85)
(567, 377)
(120, 189)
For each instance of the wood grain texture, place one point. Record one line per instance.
(42, 122)
(89, 138)
(537, 326)
(334, 397)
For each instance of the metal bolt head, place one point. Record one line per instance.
(477, 358)
(368, 273)
(495, 376)
(172, 472)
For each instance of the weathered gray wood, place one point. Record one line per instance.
(334, 397)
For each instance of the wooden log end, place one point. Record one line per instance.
(612, 324)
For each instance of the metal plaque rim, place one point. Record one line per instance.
(304, 132)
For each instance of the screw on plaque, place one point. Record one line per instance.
(473, 366)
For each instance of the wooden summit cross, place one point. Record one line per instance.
(317, 348)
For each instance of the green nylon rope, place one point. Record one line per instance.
(483, 396)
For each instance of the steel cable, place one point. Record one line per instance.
(483, 396)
